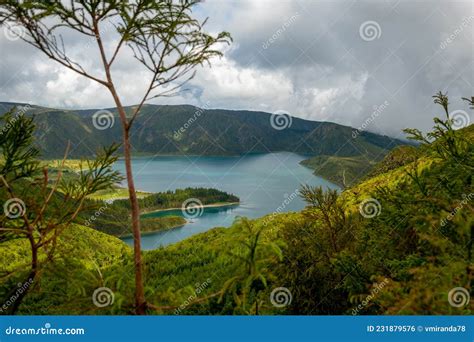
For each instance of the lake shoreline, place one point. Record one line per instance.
(127, 236)
(263, 182)
(230, 155)
(214, 205)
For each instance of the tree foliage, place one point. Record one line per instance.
(35, 210)
(255, 254)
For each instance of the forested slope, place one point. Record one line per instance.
(184, 129)
(399, 242)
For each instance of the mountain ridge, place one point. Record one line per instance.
(201, 131)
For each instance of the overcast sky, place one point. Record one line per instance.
(370, 64)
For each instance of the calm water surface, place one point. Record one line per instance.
(262, 182)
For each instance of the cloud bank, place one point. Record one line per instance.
(335, 61)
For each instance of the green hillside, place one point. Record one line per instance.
(344, 171)
(69, 279)
(347, 171)
(184, 129)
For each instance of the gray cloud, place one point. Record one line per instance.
(304, 57)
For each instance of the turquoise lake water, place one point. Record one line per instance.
(263, 182)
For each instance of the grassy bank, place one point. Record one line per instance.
(343, 171)
(158, 224)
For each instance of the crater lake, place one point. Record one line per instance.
(265, 183)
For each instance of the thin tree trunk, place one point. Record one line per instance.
(30, 279)
(140, 304)
(139, 291)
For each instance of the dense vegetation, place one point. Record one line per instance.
(344, 171)
(115, 219)
(348, 171)
(155, 224)
(175, 199)
(398, 242)
(211, 132)
(113, 216)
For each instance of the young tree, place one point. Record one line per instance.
(255, 255)
(325, 206)
(34, 209)
(445, 140)
(163, 36)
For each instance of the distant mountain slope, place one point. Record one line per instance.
(203, 132)
(343, 171)
(348, 171)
